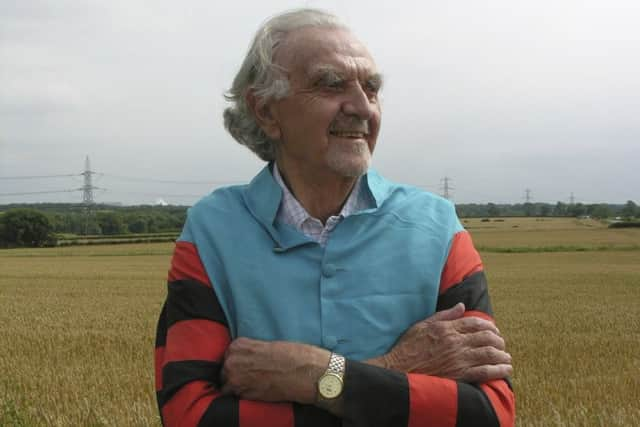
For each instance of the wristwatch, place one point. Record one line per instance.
(331, 382)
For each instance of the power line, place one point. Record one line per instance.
(165, 181)
(39, 192)
(121, 177)
(88, 190)
(38, 176)
(133, 193)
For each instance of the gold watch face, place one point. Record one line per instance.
(330, 386)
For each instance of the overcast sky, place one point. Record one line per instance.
(499, 95)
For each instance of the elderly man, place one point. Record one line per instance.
(321, 294)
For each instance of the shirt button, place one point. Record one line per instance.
(329, 270)
(330, 342)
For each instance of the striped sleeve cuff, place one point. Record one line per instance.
(374, 397)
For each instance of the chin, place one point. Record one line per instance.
(350, 162)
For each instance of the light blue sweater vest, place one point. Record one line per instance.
(378, 275)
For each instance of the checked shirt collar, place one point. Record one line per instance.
(291, 212)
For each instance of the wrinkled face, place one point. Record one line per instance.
(331, 117)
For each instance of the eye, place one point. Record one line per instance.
(373, 85)
(330, 82)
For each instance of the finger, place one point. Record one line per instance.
(484, 339)
(484, 373)
(453, 313)
(487, 356)
(468, 325)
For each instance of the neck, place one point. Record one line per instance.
(322, 194)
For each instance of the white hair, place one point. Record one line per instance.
(265, 78)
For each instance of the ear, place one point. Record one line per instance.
(264, 115)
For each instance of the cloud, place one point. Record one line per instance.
(25, 96)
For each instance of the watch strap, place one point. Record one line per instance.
(336, 364)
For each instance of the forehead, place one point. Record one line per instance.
(310, 48)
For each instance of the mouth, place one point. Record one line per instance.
(348, 134)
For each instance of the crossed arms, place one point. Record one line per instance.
(444, 371)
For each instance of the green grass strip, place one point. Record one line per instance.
(559, 248)
(95, 242)
(42, 254)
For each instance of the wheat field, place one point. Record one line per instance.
(77, 326)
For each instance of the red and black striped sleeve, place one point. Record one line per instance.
(192, 336)
(376, 397)
(463, 280)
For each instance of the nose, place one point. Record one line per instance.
(357, 103)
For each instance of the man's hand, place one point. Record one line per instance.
(449, 345)
(275, 371)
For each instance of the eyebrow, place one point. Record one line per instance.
(329, 71)
(323, 71)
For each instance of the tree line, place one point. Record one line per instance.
(35, 225)
(626, 211)
(41, 224)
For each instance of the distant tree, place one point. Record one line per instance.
(529, 209)
(111, 223)
(158, 222)
(630, 210)
(600, 211)
(493, 210)
(137, 223)
(545, 210)
(577, 210)
(560, 209)
(25, 227)
(88, 225)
